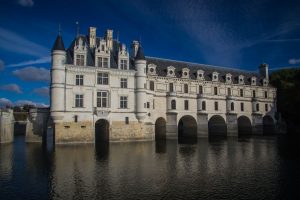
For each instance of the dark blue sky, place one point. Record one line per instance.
(234, 33)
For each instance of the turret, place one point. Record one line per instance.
(57, 96)
(140, 78)
(264, 70)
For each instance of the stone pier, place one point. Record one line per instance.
(6, 126)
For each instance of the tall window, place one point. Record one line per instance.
(203, 105)
(102, 99)
(102, 62)
(266, 107)
(79, 60)
(152, 85)
(186, 104)
(216, 106)
(79, 79)
(102, 78)
(186, 88)
(241, 92)
(171, 87)
(232, 106)
(257, 107)
(123, 64)
(266, 94)
(215, 90)
(253, 93)
(200, 89)
(229, 91)
(242, 106)
(79, 100)
(123, 82)
(123, 102)
(173, 104)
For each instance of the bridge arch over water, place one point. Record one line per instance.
(187, 127)
(244, 125)
(101, 131)
(217, 126)
(160, 129)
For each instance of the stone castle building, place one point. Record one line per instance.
(101, 90)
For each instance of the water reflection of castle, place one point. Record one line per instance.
(101, 91)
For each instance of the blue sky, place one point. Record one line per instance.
(234, 33)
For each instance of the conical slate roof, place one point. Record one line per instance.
(140, 54)
(58, 44)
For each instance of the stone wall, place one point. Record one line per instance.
(6, 126)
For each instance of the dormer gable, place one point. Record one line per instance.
(200, 74)
(241, 79)
(123, 58)
(228, 78)
(185, 73)
(215, 76)
(253, 80)
(171, 71)
(152, 69)
(80, 52)
(265, 82)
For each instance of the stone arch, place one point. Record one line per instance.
(160, 129)
(101, 131)
(244, 126)
(187, 127)
(268, 125)
(217, 126)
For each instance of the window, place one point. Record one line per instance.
(102, 99)
(203, 105)
(152, 85)
(171, 87)
(102, 62)
(215, 90)
(126, 120)
(102, 78)
(241, 92)
(253, 93)
(79, 60)
(79, 100)
(79, 79)
(173, 104)
(232, 106)
(186, 88)
(266, 107)
(229, 91)
(266, 94)
(123, 102)
(257, 107)
(148, 104)
(123, 82)
(200, 89)
(216, 106)
(242, 106)
(123, 64)
(186, 104)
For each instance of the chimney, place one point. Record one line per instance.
(264, 70)
(109, 39)
(92, 37)
(134, 48)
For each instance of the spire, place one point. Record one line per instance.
(58, 44)
(140, 54)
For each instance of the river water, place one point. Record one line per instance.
(223, 168)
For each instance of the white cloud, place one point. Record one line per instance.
(42, 60)
(294, 61)
(11, 88)
(5, 102)
(33, 74)
(26, 3)
(28, 102)
(43, 91)
(13, 42)
(2, 66)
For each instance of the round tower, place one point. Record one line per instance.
(140, 78)
(57, 93)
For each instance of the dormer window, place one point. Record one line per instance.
(265, 82)
(102, 62)
(228, 78)
(123, 64)
(241, 79)
(253, 80)
(185, 73)
(171, 71)
(152, 69)
(79, 60)
(215, 76)
(200, 74)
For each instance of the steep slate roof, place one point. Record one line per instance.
(163, 64)
(58, 44)
(140, 54)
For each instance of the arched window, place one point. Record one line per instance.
(173, 104)
(203, 105)
(232, 106)
(152, 85)
(257, 107)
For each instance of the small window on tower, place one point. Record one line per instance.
(152, 85)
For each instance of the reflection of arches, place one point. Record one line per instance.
(187, 127)
(160, 129)
(217, 126)
(101, 131)
(268, 125)
(244, 126)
